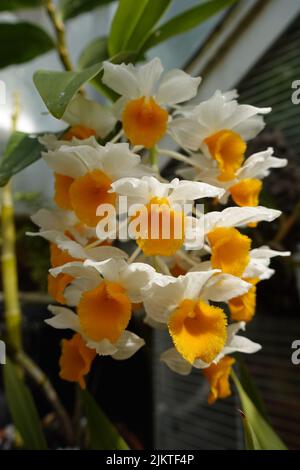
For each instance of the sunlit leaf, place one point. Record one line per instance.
(58, 88)
(22, 409)
(186, 21)
(22, 42)
(22, 150)
(132, 23)
(95, 52)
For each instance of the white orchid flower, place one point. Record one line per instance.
(230, 249)
(127, 344)
(219, 127)
(145, 96)
(246, 186)
(164, 204)
(234, 343)
(104, 294)
(84, 174)
(63, 229)
(198, 329)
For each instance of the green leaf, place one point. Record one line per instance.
(103, 435)
(251, 442)
(132, 23)
(95, 52)
(186, 21)
(58, 88)
(265, 436)
(72, 8)
(22, 150)
(22, 409)
(23, 42)
(7, 5)
(251, 389)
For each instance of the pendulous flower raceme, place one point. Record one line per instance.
(193, 272)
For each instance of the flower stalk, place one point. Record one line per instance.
(60, 32)
(12, 307)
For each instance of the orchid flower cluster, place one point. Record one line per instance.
(199, 286)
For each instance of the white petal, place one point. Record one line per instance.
(117, 160)
(122, 79)
(177, 86)
(223, 287)
(84, 112)
(154, 324)
(103, 348)
(127, 345)
(186, 132)
(162, 297)
(110, 269)
(193, 233)
(148, 76)
(55, 219)
(74, 161)
(239, 216)
(243, 345)
(176, 362)
(63, 318)
(191, 190)
(134, 278)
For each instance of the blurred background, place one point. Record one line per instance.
(253, 46)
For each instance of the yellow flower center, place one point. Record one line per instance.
(62, 186)
(218, 378)
(80, 132)
(75, 360)
(229, 250)
(246, 192)
(242, 308)
(198, 330)
(104, 312)
(228, 149)
(164, 228)
(144, 121)
(87, 193)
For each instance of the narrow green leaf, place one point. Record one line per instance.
(22, 150)
(8, 5)
(103, 435)
(153, 11)
(186, 21)
(251, 442)
(266, 437)
(23, 42)
(58, 88)
(132, 23)
(95, 52)
(72, 8)
(250, 388)
(22, 409)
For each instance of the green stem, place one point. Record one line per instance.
(12, 310)
(153, 155)
(41, 379)
(60, 32)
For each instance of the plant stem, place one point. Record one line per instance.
(287, 224)
(60, 32)
(40, 378)
(9, 261)
(153, 157)
(178, 156)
